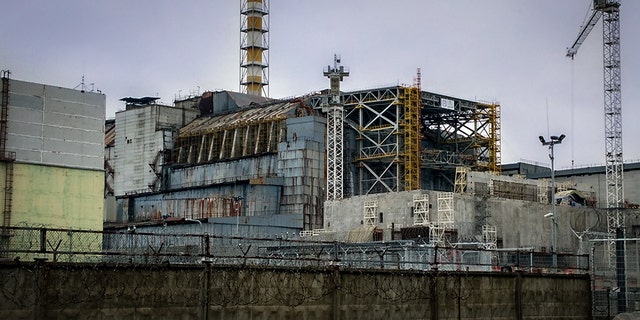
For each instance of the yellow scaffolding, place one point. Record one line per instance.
(494, 136)
(411, 129)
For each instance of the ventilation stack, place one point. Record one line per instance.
(254, 47)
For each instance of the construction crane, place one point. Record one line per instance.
(610, 11)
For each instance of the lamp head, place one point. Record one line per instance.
(541, 139)
(562, 136)
(554, 138)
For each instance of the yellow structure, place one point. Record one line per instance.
(254, 47)
(411, 128)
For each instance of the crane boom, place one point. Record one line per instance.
(586, 29)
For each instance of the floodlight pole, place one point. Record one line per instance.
(553, 141)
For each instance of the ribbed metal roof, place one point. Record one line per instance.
(203, 125)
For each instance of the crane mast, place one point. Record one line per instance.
(610, 11)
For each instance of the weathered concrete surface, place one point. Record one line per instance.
(77, 291)
(520, 224)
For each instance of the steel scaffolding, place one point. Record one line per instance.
(451, 132)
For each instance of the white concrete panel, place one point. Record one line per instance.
(26, 88)
(24, 129)
(73, 121)
(73, 107)
(73, 149)
(19, 143)
(72, 160)
(18, 115)
(26, 101)
(72, 134)
(66, 126)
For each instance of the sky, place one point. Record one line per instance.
(507, 51)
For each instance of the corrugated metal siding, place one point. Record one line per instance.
(209, 202)
(223, 172)
(56, 126)
(301, 161)
(259, 226)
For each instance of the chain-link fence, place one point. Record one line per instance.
(132, 246)
(616, 277)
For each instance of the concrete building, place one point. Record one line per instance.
(595, 176)
(251, 168)
(264, 161)
(51, 144)
(144, 138)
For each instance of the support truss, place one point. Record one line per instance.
(489, 237)
(370, 215)
(445, 210)
(421, 210)
(461, 180)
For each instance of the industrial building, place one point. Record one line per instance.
(51, 147)
(414, 165)
(225, 155)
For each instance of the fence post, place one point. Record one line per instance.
(435, 257)
(335, 299)
(40, 290)
(43, 240)
(435, 301)
(518, 295)
(207, 247)
(206, 286)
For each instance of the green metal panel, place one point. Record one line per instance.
(57, 197)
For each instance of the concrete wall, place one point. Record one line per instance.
(55, 197)
(208, 292)
(56, 126)
(598, 181)
(519, 223)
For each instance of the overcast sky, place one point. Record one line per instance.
(506, 51)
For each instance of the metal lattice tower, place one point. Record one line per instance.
(335, 131)
(610, 11)
(254, 47)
